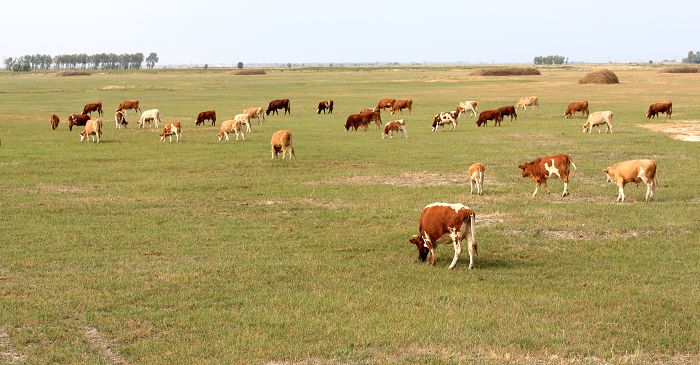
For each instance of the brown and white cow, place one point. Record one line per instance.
(130, 104)
(120, 119)
(54, 121)
(549, 167)
(231, 126)
(92, 129)
(526, 101)
(255, 113)
(385, 103)
(508, 110)
(476, 177)
(91, 107)
(443, 118)
(274, 105)
(487, 115)
(280, 143)
(596, 119)
(634, 171)
(394, 126)
(207, 115)
(576, 106)
(663, 107)
(77, 120)
(324, 105)
(469, 105)
(170, 129)
(445, 223)
(401, 104)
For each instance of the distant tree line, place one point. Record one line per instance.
(693, 57)
(551, 60)
(98, 61)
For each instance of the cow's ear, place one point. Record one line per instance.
(522, 167)
(413, 239)
(605, 171)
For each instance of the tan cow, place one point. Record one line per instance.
(476, 177)
(280, 143)
(170, 129)
(526, 101)
(469, 105)
(596, 119)
(230, 126)
(634, 171)
(54, 121)
(394, 126)
(255, 113)
(92, 129)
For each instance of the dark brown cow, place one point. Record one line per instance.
(355, 121)
(385, 103)
(77, 120)
(445, 223)
(487, 115)
(663, 107)
(400, 105)
(373, 116)
(54, 121)
(91, 107)
(546, 167)
(207, 115)
(130, 104)
(577, 106)
(278, 104)
(508, 110)
(324, 105)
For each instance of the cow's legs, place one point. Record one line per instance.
(456, 242)
(621, 193)
(650, 188)
(471, 186)
(609, 128)
(537, 187)
(431, 257)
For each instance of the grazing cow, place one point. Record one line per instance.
(526, 101)
(54, 121)
(244, 119)
(280, 143)
(355, 121)
(663, 107)
(445, 223)
(150, 115)
(400, 105)
(77, 120)
(508, 110)
(634, 171)
(92, 129)
(170, 129)
(549, 167)
(596, 119)
(255, 113)
(323, 105)
(230, 126)
(91, 107)
(576, 106)
(487, 115)
(129, 104)
(120, 119)
(278, 104)
(373, 116)
(385, 103)
(476, 177)
(394, 126)
(443, 118)
(469, 105)
(207, 115)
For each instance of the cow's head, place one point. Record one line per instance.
(526, 169)
(436, 123)
(420, 245)
(586, 126)
(607, 175)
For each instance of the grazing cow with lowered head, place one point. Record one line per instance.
(400, 105)
(487, 115)
(170, 129)
(355, 121)
(596, 119)
(443, 118)
(398, 126)
(526, 101)
(445, 223)
(373, 116)
(54, 121)
(663, 107)
(548, 167)
(476, 177)
(508, 110)
(120, 119)
(77, 120)
(634, 171)
(207, 115)
(324, 105)
(281, 143)
(577, 106)
(274, 105)
(469, 105)
(150, 115)
(91, 107)
(231, 126)
(385, 103)
(245, 120)
(255, 113)
(92, 129)
(130, 104)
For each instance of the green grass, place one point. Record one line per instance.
(208, 252)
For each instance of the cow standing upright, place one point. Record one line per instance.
(476, 177)
(548, 167)
(663, 107)
(77, 120)
(130, 104)
(91, 107)
(487, 115)
(576, 106)
(274, 105)
(206, 115)
(526, 101)
(443, 118)
(120, 119)
(170, 129)
(92, 129)
(385, 103)
(324, 105)
(400, 105)
(597, 119)
(508, 110)
(54, 121)
(634, 171)
(394, 126)
(469, 105)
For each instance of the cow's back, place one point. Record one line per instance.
(437, 219)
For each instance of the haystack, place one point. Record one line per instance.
(505, 71)
(681, 70)
(73, 73)
(600, 76)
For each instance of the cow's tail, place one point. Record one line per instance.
(472, 220)
(571, 162)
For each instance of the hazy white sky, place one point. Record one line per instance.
(272, 31)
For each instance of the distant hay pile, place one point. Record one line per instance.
(250, 72)
(600, 76)
(505, 71)
(681, 70)
(74, 73)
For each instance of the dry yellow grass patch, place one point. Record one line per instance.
(686, 130)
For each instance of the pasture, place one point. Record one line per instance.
(205, 252)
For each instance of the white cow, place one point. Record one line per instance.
(597, 119)
(526, 101)
(151, 115)
(469, 105)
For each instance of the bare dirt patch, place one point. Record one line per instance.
(103, 346)
(409, 179)
(113, 87)
(53, 188)
(490, 219)
(684, 130)
(7, 351)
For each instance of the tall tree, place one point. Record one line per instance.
(151, 60)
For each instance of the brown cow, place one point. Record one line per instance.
(323, 105)
(577, 106)
(130, 104)
(280, 143)
(91, 107)
(663, 107)
(278, 104)
(487, 115)
(120, 119)
(445, 223)
(385, 103)
(374, 116)
(207, 115)
(355, 121)
(400, 105)
(77, 120)
(548, 167)
(508, 110)
(634, 171)
(54, 121)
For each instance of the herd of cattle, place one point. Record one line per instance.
(439, 222)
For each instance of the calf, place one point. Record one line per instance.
(577, 106)
(54, 121)
(323, 105)
(151, 115)
(508, 110)
(91, 107)
(476, 177)
(274, 105)
(120, 119)
(385, 103)
(92, 129)
(400, 105)
(77, 120)
(469, 105)
(445, 223)
(170, 129)
(526, 101)
(129, 104)
(280, 143)
(634, 171)
(548, 167)
(487, 115)
(596, 119)
(443, 118)
(255, 113)
(230, 126)
(663, 107)
(394, 126)
(207, 115)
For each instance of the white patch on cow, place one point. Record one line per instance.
(426, 239)
(456, 206)
(552, 169)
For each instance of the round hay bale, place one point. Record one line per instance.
(681, 70)
(600, 76)
(505, 71)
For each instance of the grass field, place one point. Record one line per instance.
(135, 251)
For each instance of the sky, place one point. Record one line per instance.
(356, 31)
